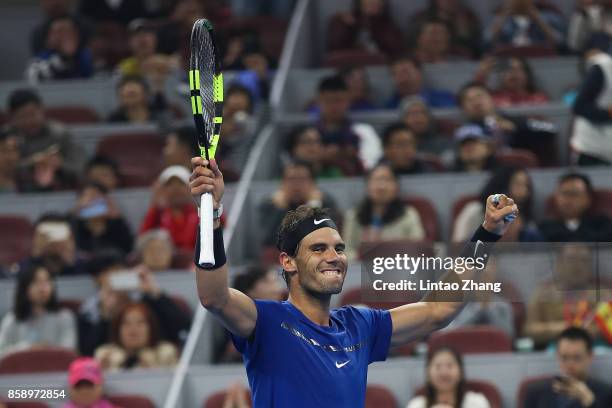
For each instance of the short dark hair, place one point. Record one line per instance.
(102, 160)
(95, 185)
(577, 334)
(241, 90)
(333, 83)
(577, 176)
(103, 260)
(21, 97)
(391, 129)
(126, 79)
(406, 58)
(25, 277)
(465, 88)
(186, 136)
(247, 280)
(300, 163)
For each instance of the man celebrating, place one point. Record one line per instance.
(299, 353)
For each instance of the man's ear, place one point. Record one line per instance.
(287, 262)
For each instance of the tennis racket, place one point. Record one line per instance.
(206, 85)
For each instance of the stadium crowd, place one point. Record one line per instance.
(141, 48)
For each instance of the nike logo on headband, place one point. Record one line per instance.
(317, 222)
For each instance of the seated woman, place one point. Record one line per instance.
(36, 319)
(516, 82)
(446, 384)
(136, 342)
(381, 215)
(154, 249)
(305, 143)
(514, 182)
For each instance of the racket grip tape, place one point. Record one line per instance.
(207, 245)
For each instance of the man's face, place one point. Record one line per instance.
(574, 358)
(401, 149)
(334, 105)
(132, 94)
(298, 184)
(321, 263)
(143, 43)
(63, 36)
(104, 175)
(572, 198)
(406, 77)
(417, 118)
(29, 119)
(85, 394)
(474, 151)
(477, 103)
(435, 38)
(236, 102)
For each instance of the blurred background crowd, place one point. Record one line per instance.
(401, 117)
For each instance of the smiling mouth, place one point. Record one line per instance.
(331, 272)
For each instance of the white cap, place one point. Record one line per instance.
(179, 172)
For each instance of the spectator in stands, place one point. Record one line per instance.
(86, 385)
(433, 43)
(238, 130)
(115, 11)
(446, 383)
(305, 144)
(36, 320)
(9, 162)
(136, 342)
(475, 151)
(573, 387)
(408, 82)
(517, 83)
(52, 9)
(418, 118)
(99, 223)
(593, 108)
(155, 250)
(298, 186)
(172, 208)
(137, 104)
(573, 220)
(590, 17)
(533, 134)
(104, 171)
(523, 23)
(45, 143)
(251, 8)
(566, 299)
(356, 80)
(514, 182)
(400, 150)
(462, 22)
(173, 37)
(143, 45)
(256, 282)
(180, 147)
(352, 145)
(54, 246)
(65, 55)
(382, 215)
(368, 26)
(257, 73)
(98, 311)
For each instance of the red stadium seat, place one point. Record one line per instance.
(15, 239)
(473, 339)
(37, 361)
(458, 207)
(517, 157)
(344, 58)
(378, 396)
(216, 400)
(72, 114)
(532, 51)
(428, 214)
(524, 385)
(131, 401)
(486, 388)
(269, 256)
(137, 154)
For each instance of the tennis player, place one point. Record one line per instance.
(299, 353)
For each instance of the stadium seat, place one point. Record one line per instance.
(344, 58)
(378, 396)
(486, 388)
(216, 400)
(137, 154)
(428, 214)
(15, 239)
(473, 339)
(524, 385)
(533, 51)
(72, 114)
(517, 157)
(131, 401)
(37, 361)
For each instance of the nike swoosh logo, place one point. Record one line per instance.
(317, 222)
(342, 364)
(478, 243)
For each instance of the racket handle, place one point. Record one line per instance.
(207, 253)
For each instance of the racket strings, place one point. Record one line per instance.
(205, 64)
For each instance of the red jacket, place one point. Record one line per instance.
(182, 227)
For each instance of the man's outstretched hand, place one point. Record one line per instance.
(206, 180)
(495, 212)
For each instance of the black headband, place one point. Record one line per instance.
(289, 241)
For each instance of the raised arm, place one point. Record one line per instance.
(235, 310)
(414, 321)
